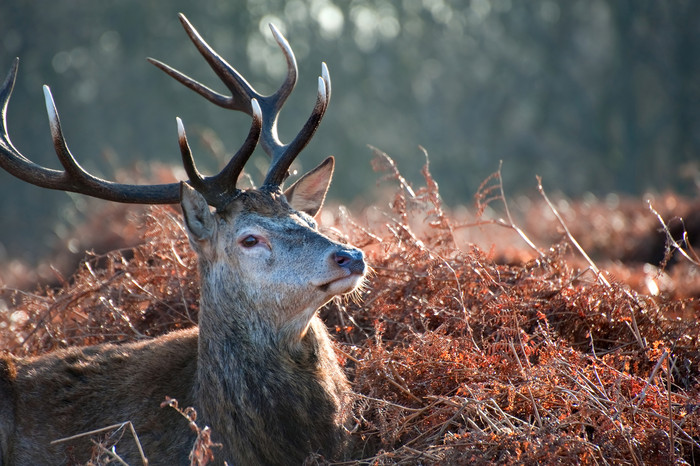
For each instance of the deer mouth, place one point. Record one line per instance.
(342, 285)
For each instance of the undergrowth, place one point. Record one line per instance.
(456, 354)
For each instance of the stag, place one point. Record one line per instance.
(260, 369)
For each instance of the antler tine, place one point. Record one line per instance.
(72, 169)
(219, 189)
(278, 170)
(73, 178)
(5, 93)
(195, 177)
(241, 91)
(280, 97)
(209, 94)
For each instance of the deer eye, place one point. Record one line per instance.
(249, 241)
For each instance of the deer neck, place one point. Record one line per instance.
(230, 316)
(256, 388)
(238, 339)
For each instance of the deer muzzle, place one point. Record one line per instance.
(352, 260)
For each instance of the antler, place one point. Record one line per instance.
(215, 189)
(242, 93)
(219, 189)
(73, 178)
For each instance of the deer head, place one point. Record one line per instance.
(268, 235)
(271, 249)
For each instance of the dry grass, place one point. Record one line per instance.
(501, 354)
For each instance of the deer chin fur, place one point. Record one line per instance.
(342, 285)
(294, 329)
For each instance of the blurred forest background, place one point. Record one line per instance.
(596, 96)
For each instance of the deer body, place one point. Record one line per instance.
(260, 369)
(294, 408)
(82, 389)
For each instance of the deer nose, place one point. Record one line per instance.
(350, 259)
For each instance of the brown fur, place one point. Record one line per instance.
(260, 369)
(81, 389)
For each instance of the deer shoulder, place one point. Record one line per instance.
(77, 390)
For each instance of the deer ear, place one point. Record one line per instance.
(199, 219)
(308, 192)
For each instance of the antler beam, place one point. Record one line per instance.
(73, 178)
(217, 190)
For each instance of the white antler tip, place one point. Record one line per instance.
(281, 40)
(276, 32)
(257, 111)
(322, 91)
(48, 100)
(326, 77)
(180, 127)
